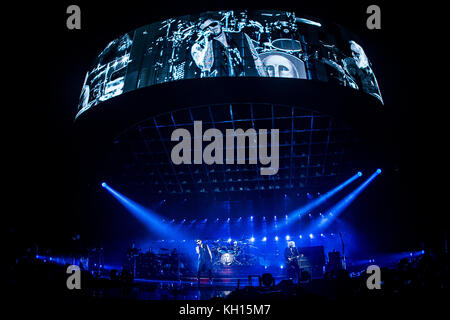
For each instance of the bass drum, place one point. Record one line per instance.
(227, 259)
(282, 65)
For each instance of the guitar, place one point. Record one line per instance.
(295, 258)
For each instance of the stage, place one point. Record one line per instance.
(190, 289)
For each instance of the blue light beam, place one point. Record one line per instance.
(298, 213)
(146, 216)
(337, 209)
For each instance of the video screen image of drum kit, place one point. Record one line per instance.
(250, 43)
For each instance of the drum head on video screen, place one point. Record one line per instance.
(282, 65)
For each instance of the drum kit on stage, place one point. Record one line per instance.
(150, 264)
(235, 254)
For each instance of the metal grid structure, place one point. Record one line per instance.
(312, 149)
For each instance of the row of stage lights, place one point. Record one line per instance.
(275, 238)
(275, 218)
(228, 220)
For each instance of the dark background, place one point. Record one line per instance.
(46, 65)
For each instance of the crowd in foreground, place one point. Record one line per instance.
(423, 278)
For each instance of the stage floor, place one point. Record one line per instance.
(190, 289)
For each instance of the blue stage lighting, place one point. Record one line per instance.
(359, 173)
(229, 240)
(288, 237)
(146, 216)
(337, 209)
(276, 238)
(252, 239)
(264, 239)
(298, 213)
(300, 236)
(311, 236)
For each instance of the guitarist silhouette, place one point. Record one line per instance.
(291, 256)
